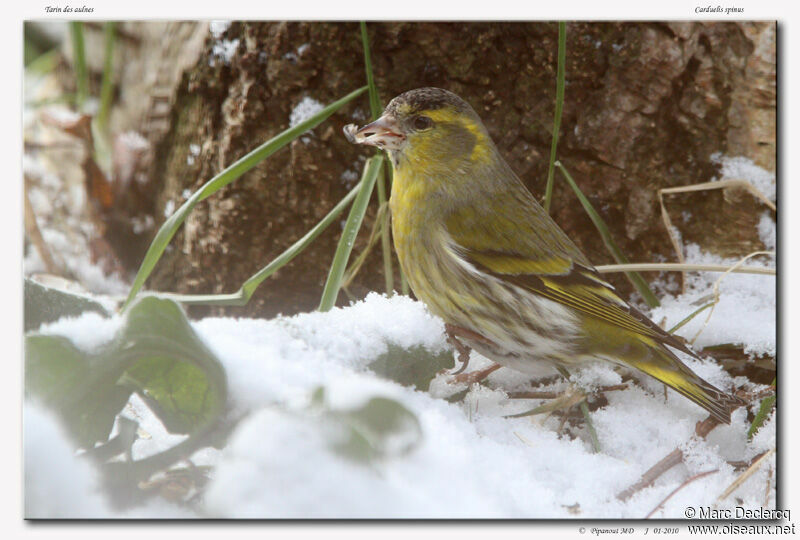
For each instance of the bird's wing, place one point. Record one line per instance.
(558, 271)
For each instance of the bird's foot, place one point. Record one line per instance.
(453, 332)
(563, 401)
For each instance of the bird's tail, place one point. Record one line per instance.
(663, 365)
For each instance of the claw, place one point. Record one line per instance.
(464, 364)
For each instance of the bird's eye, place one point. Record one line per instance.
(422, 122)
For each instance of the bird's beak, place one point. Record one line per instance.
(384, 133)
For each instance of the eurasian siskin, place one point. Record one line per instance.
(484, 256)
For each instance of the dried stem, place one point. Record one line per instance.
(716, 288)
(746, 474)
(36, 238)
(730, 183)
(685, 267)
(702, 429)
(677, 489)
(553, 395)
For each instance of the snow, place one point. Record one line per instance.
(745, 313)
(742, 168)
(305, 109)
(57, 485)
(63, 115)
(349, 178)
(142, 224)
(73, 250)
(194, 151)
(134, 140)
(217, 28)
(767, 232)
(60, 207)
(321, 346)
(88, 332)
(152, 435)
(169, 208)
(293, 56)
(223, 50)
(61, 485)
(471, 461)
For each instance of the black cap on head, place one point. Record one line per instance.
(425, 99)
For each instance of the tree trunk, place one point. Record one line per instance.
(647, 106)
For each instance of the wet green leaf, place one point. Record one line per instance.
(381, 428)
(46, 304)
(415, 366)
(155, 353)
(81, 388)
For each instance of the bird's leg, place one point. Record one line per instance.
(463, 350)
(584, 411)
(453, 332)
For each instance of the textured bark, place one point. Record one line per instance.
(647, 104)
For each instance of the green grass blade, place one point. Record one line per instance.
(351, 227)
(634, 277)
(355, 266)
(590, 426)
(560, 83)
(245, 292)
(44, 63)
(30, 51)
(107, 86)
(376, 108)
(171, 225)
(763, 412)
(79, 53)
(689, 317)
(386, 243)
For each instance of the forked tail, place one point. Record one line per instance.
(664, 366)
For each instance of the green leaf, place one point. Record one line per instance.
(155, 353)
(415, 366)
(381, 428)
(81, 388)
(763, 412)
(176, 390)
(171, 367)
(45, 304)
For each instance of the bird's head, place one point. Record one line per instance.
(428, 127)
